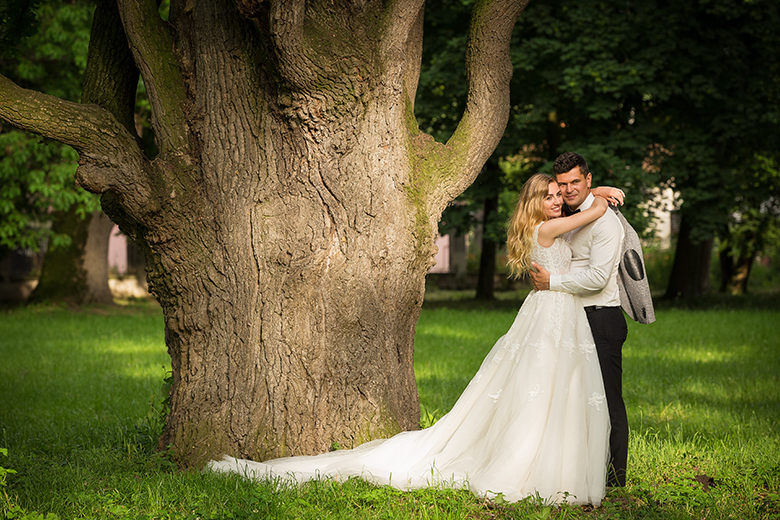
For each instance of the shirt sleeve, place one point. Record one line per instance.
(604, 256)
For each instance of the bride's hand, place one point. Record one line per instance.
(600, 205)
(612, 195)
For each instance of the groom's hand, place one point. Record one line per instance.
(540, 277)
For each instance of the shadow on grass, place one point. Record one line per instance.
(720, 378)
(712, 372)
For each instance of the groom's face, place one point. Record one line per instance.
(575, 186)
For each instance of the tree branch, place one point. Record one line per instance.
(111, 77)
(152, 47)
(103, 143)
(283, 22)
(402, 42)
(488, 71)
(87, 128)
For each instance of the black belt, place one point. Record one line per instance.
(594, 308)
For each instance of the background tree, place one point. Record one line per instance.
(754, 226)
(571, 90)
(289, 217)
(17, 21)
(714, 105)
(585, 78)
(654, 94)
(680, 94)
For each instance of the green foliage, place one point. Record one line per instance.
(755, 224)
(10, 510)
(581, 75)
(429, 417)
(4, 476)
(442, 88)
(53, 58)
(654, 94)
(572, 89)
(36, 175)
(36, 179)
(658, 266)
(715, 100)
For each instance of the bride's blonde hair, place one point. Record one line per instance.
(529, 212)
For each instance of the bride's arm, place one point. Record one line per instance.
(612, 195)
(558, 226)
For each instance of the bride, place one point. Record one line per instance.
(532, 422)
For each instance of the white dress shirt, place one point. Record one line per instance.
(595, 256)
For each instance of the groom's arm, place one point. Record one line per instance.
(540, 277)
(604, 257)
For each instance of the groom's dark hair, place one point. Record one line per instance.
(566, 161)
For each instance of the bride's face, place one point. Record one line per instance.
(553, 201)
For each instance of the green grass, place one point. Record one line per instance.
(80, 400)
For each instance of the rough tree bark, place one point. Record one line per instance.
(289, 218)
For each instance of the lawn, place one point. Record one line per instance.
(80, 398)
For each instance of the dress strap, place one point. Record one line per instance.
(536, 230)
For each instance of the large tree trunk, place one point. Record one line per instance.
(289, 218)
(690, 277)
(77, 273)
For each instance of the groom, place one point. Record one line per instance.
(596, 253)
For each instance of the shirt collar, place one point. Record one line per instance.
(587, 203)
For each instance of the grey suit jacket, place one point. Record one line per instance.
(632, 280)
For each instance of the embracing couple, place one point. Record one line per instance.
(537, 419)
(597, 250)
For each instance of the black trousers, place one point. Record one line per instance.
(609, 329)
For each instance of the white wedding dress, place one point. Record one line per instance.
(532, 422)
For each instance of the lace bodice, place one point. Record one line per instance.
(556, 258)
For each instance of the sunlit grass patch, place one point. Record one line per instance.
(706, 370)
